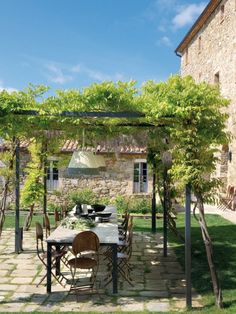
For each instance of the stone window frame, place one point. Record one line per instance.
(52, 184)
(186, 56)
(217, 78)
(199, 44)
(137, 189)
(222, 13)
(199, 76)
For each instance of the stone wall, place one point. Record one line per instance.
(215, 53)
(117, 179)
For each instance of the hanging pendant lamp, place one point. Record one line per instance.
(86, 163)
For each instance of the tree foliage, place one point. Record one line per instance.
(187, 119)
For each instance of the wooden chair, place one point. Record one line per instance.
(42, 255)
(57, 217)
(227, 201)
(85, 248)
(123, 226)
(46, 224)
(123, 255)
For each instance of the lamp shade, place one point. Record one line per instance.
(167, 159)
(86, 163)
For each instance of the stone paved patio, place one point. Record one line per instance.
(159, 283)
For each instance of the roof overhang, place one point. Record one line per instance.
(210, 8)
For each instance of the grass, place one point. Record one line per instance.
(223, 234)
(10, 220)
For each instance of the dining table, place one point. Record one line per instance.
(107, 233)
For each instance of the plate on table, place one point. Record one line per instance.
(104, 214)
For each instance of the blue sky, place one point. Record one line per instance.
(73, 43)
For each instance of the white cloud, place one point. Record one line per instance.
(62, 73)
(101, 76)
(7, 88)
(76, 68)
(164, 41)
(153, 10)
(57, 74)
(187, 14)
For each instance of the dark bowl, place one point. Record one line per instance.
(104, 215)
(92, 216)
(98, 207)
(83, 215)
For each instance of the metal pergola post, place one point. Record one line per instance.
(154, 208)
(45, 179)
(188, 246)
(18, 235)
(165, 209)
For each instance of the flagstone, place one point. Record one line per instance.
(24, 273)
(133, 307)
(6, 287)
(3, 272)
(30, 307)
(31, 289)
(88, 307)
(13, 307)
(153, 277)
(156, 306)
(6, 266)
(20, 296)
(154, 293)
(22, 280)
(5, 280)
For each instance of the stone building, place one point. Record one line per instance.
(208, 53)
(125, 170)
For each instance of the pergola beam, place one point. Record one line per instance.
(122, 114)
(85, 114)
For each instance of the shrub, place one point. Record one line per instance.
(135, 205)
(85, 196)
(52, 206)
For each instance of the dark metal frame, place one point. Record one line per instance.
(101, 114)
(50, 244)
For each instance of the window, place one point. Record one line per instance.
(222, 13)
(199, 76)
(52, 175)
(186, 56)
(140, 177)
(217, 78)
(199, 44)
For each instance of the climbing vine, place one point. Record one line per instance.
(185, 118)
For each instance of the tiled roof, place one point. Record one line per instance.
(105, 147)
(127, 146)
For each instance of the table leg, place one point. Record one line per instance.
(58, 271)
(114, 268)
(49, 267)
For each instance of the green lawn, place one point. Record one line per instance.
(10, 220)
(223, 234)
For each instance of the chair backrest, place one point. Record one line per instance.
(57, 217)
(231, 191)
(39, 236)
(47, 225)
(85, 241)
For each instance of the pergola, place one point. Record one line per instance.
(104, 114)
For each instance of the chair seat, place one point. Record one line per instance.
(55, 254)
(82, 262)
